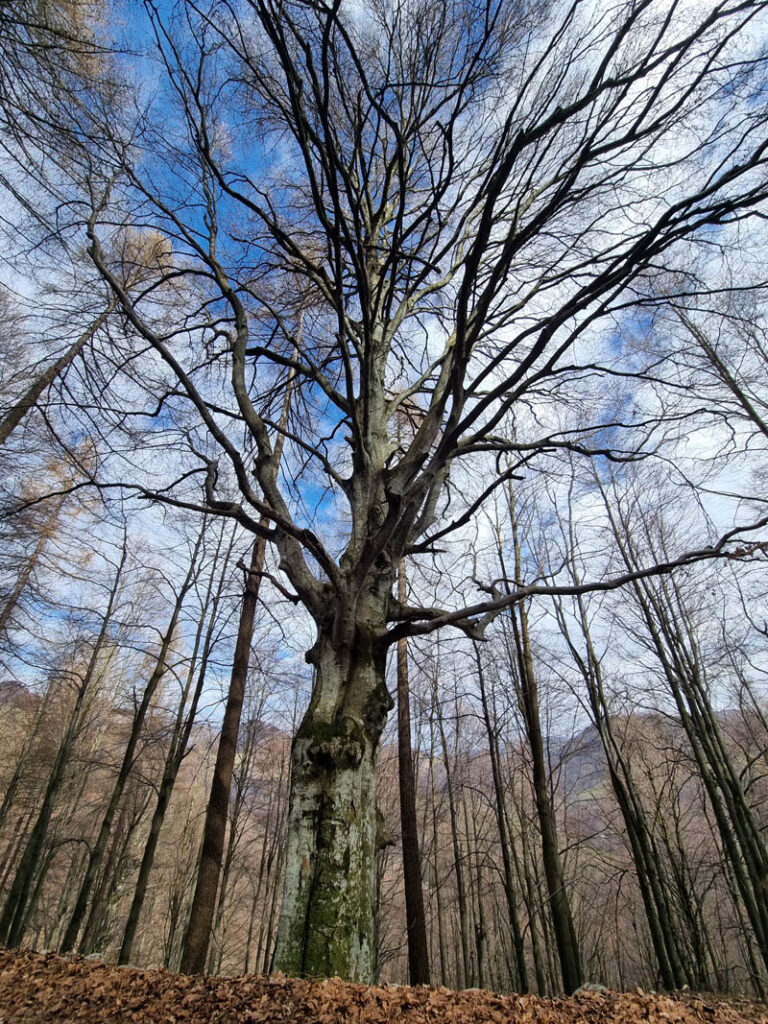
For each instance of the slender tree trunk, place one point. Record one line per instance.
(648, 866)
(14, 911)
(29, 567)
(114, 870)
(533, 904)
(126, 766)
(441, 939)
(457, 858)
(101, 889)
(647, 861)
(509, 883)
(198, 933)
(185, 720)
(698, 972)
(66, 895)
(475, 875)
(269, 935)
(15, 844)
(674, 644)
(41, 383)
(249, 937)
(418, 956)
(235, 823)
(262, 879)
(562, 919)
(21, 763)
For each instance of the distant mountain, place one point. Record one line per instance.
(581, 761)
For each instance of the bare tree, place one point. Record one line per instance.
(468, 192)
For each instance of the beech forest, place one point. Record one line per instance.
(383, 510)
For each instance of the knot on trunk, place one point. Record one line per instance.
(384, 834)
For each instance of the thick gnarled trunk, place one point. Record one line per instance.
(326, 923)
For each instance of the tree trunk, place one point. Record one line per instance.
(185, 720)
(269, 932)
(533, 904)
(474, 873)
(649, 868)
(235, 829)
(198, 934)
(97, 931)
(673, 639)
(326, 923)
(34, 392)
(418, 957)
(435, 854)
(562, 919)
(501, 822)
(29, 566)
(457, 856)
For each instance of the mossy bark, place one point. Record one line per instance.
(326, 924)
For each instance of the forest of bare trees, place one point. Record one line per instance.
(384, 440)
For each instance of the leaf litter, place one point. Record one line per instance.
(42, 988)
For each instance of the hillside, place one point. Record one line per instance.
(46, 989)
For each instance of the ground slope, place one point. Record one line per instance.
(46, 989)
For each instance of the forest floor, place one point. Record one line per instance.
(38, 988)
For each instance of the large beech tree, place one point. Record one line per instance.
(458, 198)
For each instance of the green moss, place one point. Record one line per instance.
(329, 927)
(337, 928)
